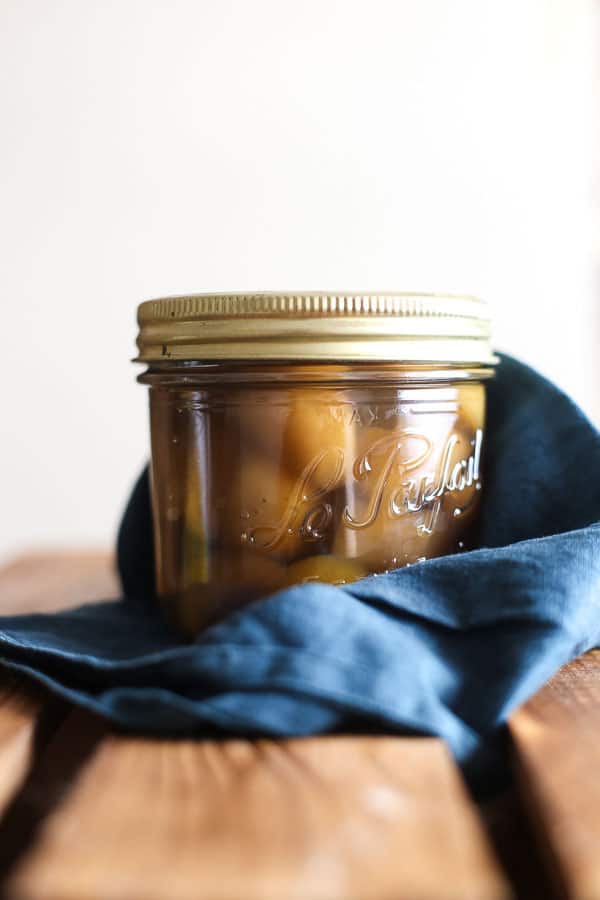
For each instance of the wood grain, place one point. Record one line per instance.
(315, 819)
(557, 749)
(39, 582)
(46, 582)
(106, 817)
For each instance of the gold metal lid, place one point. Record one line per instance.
(323, 326)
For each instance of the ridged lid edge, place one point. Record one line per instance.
(312, 303)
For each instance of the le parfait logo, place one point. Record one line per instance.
(385, 478)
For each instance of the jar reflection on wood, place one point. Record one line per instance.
(271, 473)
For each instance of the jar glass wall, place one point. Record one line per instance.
(267, 475)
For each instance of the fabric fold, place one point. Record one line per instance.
(448, 647)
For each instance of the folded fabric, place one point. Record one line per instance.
(447, 647)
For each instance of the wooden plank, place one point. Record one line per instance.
(103, 816)
(557, 749)
(46, 582)
(316, 819)
(39, 582)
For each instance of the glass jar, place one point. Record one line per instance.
(313, 437)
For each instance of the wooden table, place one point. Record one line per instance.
(87, 813)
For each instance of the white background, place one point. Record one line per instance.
(155, 147)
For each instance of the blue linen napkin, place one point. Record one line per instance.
(448, 647)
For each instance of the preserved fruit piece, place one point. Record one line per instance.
(328, 568)
(258, 510)
(316, 440)
(471, 407)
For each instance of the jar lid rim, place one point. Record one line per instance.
(325, 325)
(396, 303)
